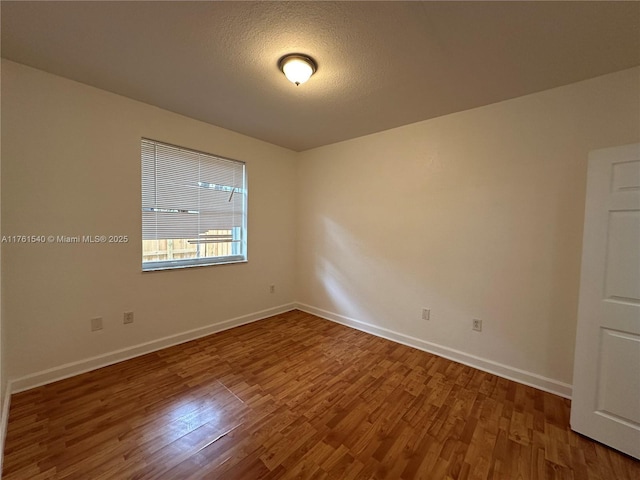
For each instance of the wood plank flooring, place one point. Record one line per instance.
(295, 396)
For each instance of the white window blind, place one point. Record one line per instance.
(193, 207)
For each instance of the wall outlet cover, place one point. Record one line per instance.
(96, 324)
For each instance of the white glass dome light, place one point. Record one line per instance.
(297, 68)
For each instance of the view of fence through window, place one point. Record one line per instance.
(218, 243)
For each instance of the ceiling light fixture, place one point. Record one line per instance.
(297, 68)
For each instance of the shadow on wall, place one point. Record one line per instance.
(363, 284)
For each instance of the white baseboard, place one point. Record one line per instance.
(75, 368)
(4, 421)
(521, 376)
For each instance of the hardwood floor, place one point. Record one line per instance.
(295, 396)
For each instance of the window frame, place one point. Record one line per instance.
(159, 265)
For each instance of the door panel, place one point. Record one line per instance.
(623, 256)
(615, 383)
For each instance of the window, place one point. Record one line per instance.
(194, 208)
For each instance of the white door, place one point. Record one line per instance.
(606, 375)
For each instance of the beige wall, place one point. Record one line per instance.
(71, 166)
(474, 215)
(3, 376)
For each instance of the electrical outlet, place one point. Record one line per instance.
(96, 324)
(128, 317)
(477, 325)
(272, 289)
(426, 314)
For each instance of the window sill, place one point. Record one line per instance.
(159, 266)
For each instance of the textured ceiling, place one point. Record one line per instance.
(380, 64)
